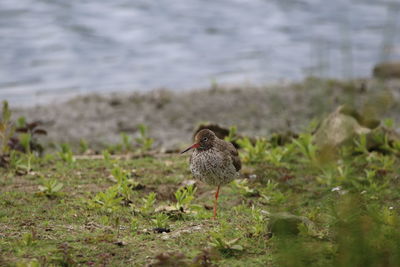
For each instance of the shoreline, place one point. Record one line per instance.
(173, 116)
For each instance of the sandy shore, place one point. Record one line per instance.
(172, 117)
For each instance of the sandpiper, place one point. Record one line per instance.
(214, 161)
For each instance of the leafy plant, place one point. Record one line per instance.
(145, 143)
(243, 188)
(184, 196)
(307, 148)
(148, 204)
(124, 184)
(226, 247)
(50, 188)
(66, 154)
(272, 194)
(258, 226)
(253, 153)
(361, 144)
(278, 155)
(26, 141)
(108, 201)
(6, 133)
(107, 156)
(126, 142)
(134, 225)
(161, 220)
(28, 239)
(83, 146)
(369, 184)
(232, 134)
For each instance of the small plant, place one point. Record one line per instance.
(232, 134)
(145, 143)
(83, 146)
(227, 248)
(28, 239)
(134, 225)
(106, 156)
(272, 194)
(124, 184)
(23, 162)
(161, 220)
(389, 123)
(369, 183)
(148, 204)
(307, 148)
(253, 153)
(361, 144)
(242, 186)
(66, 154)
(26, 141)
(126, 142)
(50, 188)
(6, 133)
(108, 201)
(184, 197)
(258, 226)
(278, 155)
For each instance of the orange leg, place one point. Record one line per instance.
(216, 203)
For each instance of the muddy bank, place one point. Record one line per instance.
(172, 116)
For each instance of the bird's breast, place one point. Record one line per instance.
(212, 167)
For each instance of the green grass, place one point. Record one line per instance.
(338, 212)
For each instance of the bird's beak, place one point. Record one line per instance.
(191, 147)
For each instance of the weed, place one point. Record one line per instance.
(83, 146)
(184, 197)
(66, 154)
(232, 137)
(244, 189)
(161, 220)
(253, 153)
(361, 144)
(148, 204)
(26, 141)
(107, 201)
(258, 226)
(145, 143)
(28, 239)
(126, 142)
(225, 247)
(307, 148)
(6, 133)
(106, 156)
(134, 225)
(50, 188)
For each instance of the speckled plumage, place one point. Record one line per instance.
(217, 164)
(214, 161)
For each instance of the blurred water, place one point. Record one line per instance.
(58, 48)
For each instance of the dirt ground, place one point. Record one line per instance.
(172, 116)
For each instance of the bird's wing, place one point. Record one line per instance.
(234, 156)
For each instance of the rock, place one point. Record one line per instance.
(284, 223)
(345, 123)
(387, 70)
(340, 126)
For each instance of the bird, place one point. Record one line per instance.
(213, 161)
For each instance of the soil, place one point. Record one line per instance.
(173, 116)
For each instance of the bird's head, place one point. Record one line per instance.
(203, 140)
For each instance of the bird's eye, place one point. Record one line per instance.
(205, 139)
